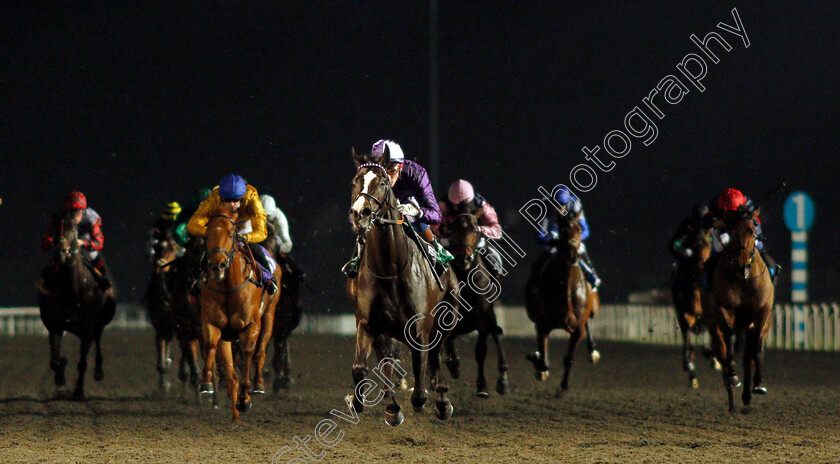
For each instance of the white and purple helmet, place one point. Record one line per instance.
(378, 149)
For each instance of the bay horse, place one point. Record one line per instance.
(685, 293)
(395, 294)
(559, 297)
(71, 300)
(476, 306)
(288, 314)
(741, 299)
(158, 300)
(234, 308)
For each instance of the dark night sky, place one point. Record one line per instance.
(137, 106)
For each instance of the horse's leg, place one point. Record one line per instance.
(451, 359)
(721, 349)
(98, 371)
(688, 356)
(363, 346)
(57, 362)
(162, 365)
(758, 385)
(540, 358)
(79, 392)
(443, 407)
(192, 363)
(502, 382)
(393, 412)
(749, 356)
(211, 335)
(569, 359)
(247, 348)
(231, 379)
(480, 356)
(594, 355)
(418, 365)
(266, 329)
(280, 364)
(395, 354)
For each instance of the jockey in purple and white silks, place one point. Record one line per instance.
(413, 191)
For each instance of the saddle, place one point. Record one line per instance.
(428, 250)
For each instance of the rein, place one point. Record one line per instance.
(229, 255)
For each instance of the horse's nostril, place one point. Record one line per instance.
(366, 212)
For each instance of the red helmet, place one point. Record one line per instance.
(731, 200)
(75, 201)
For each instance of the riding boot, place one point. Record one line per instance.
(351, 269)
(270, 284)
(771, 265)
(100, 274)
(589, 271)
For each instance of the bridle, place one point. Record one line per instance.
(229, 255)
(732, 252)
(470, 256)
(376, 218)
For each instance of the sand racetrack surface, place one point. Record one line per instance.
(634, 406)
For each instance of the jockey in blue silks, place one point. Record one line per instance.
(546, 239)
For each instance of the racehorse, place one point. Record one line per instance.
(287, 315)
(741, 299)
(234, 308)
(685, 293)
(158, 300)
(72, 301)
(559, 297)
(477, 309)
(395, 294)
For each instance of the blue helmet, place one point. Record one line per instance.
(232, 186)
(563, 196)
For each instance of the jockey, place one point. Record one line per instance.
(732, 200)
(234, 195)
(680, 244)
(463, 199)
(89, 225)
(277, 223)
(182, 236)
(412, 188)
(546, 239)
(163, 226)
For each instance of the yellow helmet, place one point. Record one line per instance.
(171, 211)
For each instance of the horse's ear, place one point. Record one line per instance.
(357, 158)
(386, 157)
(755, 213)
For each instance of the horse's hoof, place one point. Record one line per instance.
(502, 385)
(716, 365)
(394, 418)
(453, 366)
(183, 376)
(79, 395)
(444, 409)
(695, 384)
(60, 380)
(403, 384)
(98, 374)
(689, 367)
(733, 382)
(482, 394)
(206, 389)
(164, 383)
(259, 389)
(760, 390)
(542, 376)
(243, 406)
(356, 404)
(595, 356)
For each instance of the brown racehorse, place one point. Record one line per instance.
(685, 292)
(287, 315)
(741, 299)
(476, 307)
(158, 300)
(71, 300)
(234, 308)
(559, 297)
(395, 294)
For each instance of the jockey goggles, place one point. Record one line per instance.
(231, 200)
(394, 168)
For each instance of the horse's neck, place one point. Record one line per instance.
(386, 251)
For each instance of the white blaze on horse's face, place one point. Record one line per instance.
(369, 178)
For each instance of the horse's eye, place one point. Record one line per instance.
(382, 184)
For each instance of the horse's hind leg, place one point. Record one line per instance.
(280, 364)
(502, 382)
(569, 359)
(162, 364)
(749, 355)
(540, 358)
(480, 357)
(594, 355)
(688, 358)
(98, 371)
(443, 407)
(57, 362)
(451, 360)
(363, 346)
(79, 392)
(758, 359)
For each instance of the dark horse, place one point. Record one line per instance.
(559, 297)
(685, 293)
(287, 315)
(476, 302)
(395, 294)
(158, 300)
(741, 299)
(234, 308)
(72, 301)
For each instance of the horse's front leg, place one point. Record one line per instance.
(540, 358)
(418, 365)
(363, 346)
(393, 412)
(480, 357)
(594, 355)
(163, 362)
(443, 407)
(247, 347)
(569, 359)
(720, 345)
(266, 329)
(210, 335)
(451, 359)
(79, 392)
(57, 362)
(98, 370)
(502, 382)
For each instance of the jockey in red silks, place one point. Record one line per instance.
(732, 200)
(413, 190)
(77, 214)
(462, 199)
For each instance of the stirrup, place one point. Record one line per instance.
(351, 269)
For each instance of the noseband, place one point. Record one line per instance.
(376, 218)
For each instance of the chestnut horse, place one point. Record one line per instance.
(395, 294)
(234, 308)
(476, 305)
(559, 297)
(685, 293)
(741, 299)
(71, 300)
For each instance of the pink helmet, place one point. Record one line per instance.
(461, 191)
